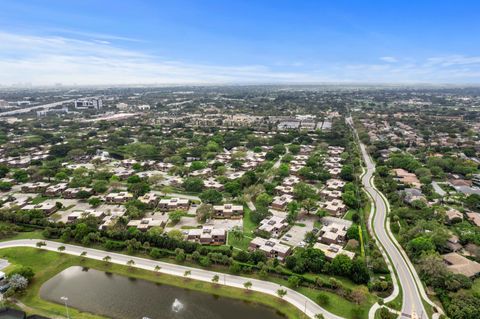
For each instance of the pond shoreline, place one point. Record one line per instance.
(127, 297)
(48, 264)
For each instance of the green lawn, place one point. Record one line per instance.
(248, 226)
(39, 199)
(240, 244)
(34, 234)
(46, 264)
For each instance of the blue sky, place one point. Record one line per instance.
(243, 41)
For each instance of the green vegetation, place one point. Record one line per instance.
(46, 264)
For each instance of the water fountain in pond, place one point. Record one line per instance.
(177, 305)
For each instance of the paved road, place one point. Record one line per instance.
(296, 299)
(36, 107)
(412, 298)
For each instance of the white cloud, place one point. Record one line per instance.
(47, 60)
(389, 59)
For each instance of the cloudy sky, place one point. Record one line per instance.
(250, 41)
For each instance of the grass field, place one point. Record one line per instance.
(46, 264)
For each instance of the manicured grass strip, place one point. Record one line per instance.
(47, 264)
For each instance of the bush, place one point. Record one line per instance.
(24, 271)
(323, 299)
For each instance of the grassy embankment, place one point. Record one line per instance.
(47, 264)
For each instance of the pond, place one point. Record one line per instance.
(121, 297)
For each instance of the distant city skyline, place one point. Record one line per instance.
(242, 42)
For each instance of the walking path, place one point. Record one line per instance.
(303, 303)
(413, 291)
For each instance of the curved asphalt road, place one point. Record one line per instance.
(298, 300)
(412, 306)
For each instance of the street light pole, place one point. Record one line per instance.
(65, 299)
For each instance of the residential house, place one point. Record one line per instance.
(453, 215)
(273, 225)
(38, 187)
(150, 199)
(459, 264)
(281, 202)
(333, 233)
(169, 204)
(228, 211)
(208, 235)
(121, 197)
(333, 250)
(271, 247)
(474, 218)
(145, 224)
(47, 208)
(56, 190)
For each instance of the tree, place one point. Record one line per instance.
(309, 205)
(310, 238)
(100, 186)
(233, 188)
(294, 281)
(18, 282)
(180, 255)
(40, 244)
(347, 173)
(419, 245)
(83, 254)
(107, 259)
(61, 248)
(204, 212)
(176, 216)
(193, 184)
(211, 196)
(292, 209)
(130, 263)
(359, 271)
(319, 316)
(341, 265)
(187, 273)
(350, 199)
(24, 271)
(157, 269)
(281, 293)
(5, 186)
(248, 285)
(215, 279)
(323, 299)
(263, 200)
(94, 201)
(175, 234)
(20, 175)
(302, 191)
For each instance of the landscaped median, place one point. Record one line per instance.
(47, 264)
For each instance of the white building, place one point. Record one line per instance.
(91, 103)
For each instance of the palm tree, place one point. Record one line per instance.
(40, 244)
(157, 269)
(61, 248)
(187, 273)
(248, 285)
(130, 263)
(83, 254)
(107, 259)
(215, 279)
(281, 293)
